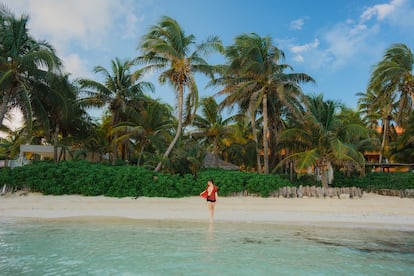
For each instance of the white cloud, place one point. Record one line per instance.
(84, 25)
(351, 40)
(299, 58)
(76, 21)
(397, 13)
(345, 42)
(305, 47)
(381, 11)
(131, 22)
(301, 50)
(297, 24)
(402, 17)
(75, 65)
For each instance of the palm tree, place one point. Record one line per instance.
(241, 149)
(120, 86)
(10, 145)
(148, 129)
(186, 157)
(212, 128)
(319, 140)
(370, 143)
(403, 148)
(393, 75)
(96, 142)
(260, 80)
(368, 107)
(23, 61)
(167, 47)
(377, 108)
(57, 113)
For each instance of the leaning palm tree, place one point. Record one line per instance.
(394, 75)
(320, 139)
(120, 86)
(260, 78)
(368, 106)
(166, 47)
(23, 61)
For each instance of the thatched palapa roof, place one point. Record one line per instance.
(213, 161)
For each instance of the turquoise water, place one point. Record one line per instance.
(134, 247)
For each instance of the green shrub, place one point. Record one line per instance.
(376, 180)
(91, 179)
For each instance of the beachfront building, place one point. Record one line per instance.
(375, 163)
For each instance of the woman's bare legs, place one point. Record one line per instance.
(211, 206)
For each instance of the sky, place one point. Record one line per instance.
(336, 42)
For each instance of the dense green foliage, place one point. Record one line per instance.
(376, 181)
(92, 179)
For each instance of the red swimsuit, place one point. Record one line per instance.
(212, 196)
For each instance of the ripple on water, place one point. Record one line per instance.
(108, 246)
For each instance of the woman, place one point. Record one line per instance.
(211, 192)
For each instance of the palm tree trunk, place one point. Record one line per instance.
(55, 142)
(324, 179)
(216, 158)
(179, 128)
(253, 122)
(412, 96)
(124, 151)
(291, 170)
(114, 138)
(384, 142)
(140, 156)
(265, 136)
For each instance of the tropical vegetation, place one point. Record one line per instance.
(273, 126)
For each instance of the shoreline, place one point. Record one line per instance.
(371, 211)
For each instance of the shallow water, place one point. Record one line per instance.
(136, 247)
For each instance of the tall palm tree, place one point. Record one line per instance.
(119, 87)
(370, 143)
(379, 109)
(368, 107)
(167, 47)
(23, 61)
(394, 75)
(260, 78)
(320, 139)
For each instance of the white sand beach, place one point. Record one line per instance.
(370, 211)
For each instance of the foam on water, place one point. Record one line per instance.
(92, 246)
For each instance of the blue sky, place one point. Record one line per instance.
(336, 42)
